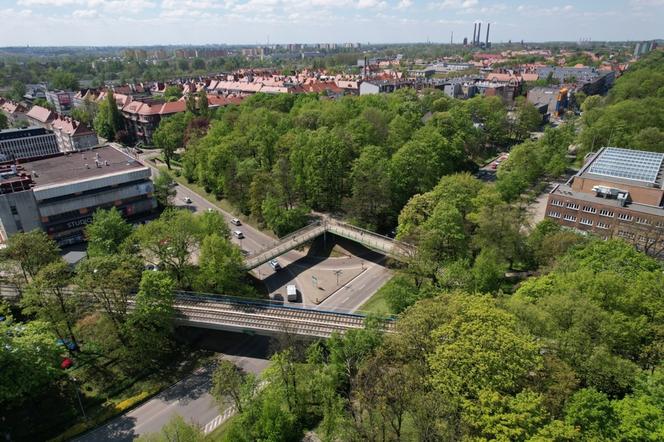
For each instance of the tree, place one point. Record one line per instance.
(169, 136)
(107, 231)
(149, 325)
(108, 121)
(528, 119)
(164, 188)
(50, 299)
(282, 220)
(172, 93)
(64, 80)
(591, 411)
(232, 385)
(31, 251)
(213, 223)
(175, 430)
(4, 124)
(169, 241)
(17, 90)
(110, 280)
(221, 266)
(371, 198)
(29, 358)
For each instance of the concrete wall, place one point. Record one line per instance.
(27, 214)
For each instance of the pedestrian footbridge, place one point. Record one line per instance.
(387, 246)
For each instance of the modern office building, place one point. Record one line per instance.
(22, 144)
(60, 194)
(618, 193)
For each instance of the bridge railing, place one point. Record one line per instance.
(285, 244)
(373, 239)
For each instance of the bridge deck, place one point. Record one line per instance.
(371, 240)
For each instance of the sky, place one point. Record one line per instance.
(180, 22)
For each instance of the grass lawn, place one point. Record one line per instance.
(377, 304)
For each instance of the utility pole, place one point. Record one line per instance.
(338, 272)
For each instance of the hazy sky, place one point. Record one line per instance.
(142, 22)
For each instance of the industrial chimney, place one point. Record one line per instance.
(479, 33)
(488, 26)
(474, 33)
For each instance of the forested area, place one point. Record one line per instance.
(572, 355)
(120, 352)
(277, 157)
(632, 114)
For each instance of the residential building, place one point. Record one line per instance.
(142, 116)
(369, 87)
(15, 112)
(590, 81)
(62, 101)
(549, 100)
(40, 116)
(60, 194)
(21, 144)
(618, 193)
(73, 135)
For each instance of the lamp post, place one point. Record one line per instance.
(338, 272)
(78, 396)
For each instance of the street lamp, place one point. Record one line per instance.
(78, 396)
(338, 272)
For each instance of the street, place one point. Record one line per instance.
(190, 398)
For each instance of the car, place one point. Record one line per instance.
(238, 234)
(245, 252)
(210, 210)
(236, 222)
(291, 293)
(275, 265)
(187, 200)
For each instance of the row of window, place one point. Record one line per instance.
(606, 213)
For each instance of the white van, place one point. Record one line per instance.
(238, 234)
(291, 293)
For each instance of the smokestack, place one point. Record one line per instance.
(479, 32)
(474, 32)
(488, 26)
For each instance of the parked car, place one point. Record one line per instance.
(291, 293)
(238, 234)
(275, 265)
(186, 200)
(210, 210)
(236, 222)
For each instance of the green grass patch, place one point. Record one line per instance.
(377, 304)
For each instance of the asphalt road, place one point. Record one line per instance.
(190, 398)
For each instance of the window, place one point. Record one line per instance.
(625, 216)
(589, 209)
(602, 225)
(645, 221)
(625, 234)
(573, 206)
(557, 203)
(605, 212)
(571, 218)
(554, 214)
(19, 225)
(13, 209)
(586, 222)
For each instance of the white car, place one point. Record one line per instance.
(238, 234)
(186, 200)
(236, 222)
(291, 293)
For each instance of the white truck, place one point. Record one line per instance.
(291, 293)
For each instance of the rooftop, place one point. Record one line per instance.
(566, 191)
(636, 167)
(64, 168)
(13, 134)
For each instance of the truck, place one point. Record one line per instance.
(291, 293)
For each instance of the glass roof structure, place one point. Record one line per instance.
(629, 164)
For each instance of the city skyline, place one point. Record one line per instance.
(197, 22)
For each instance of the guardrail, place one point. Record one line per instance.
(372, 240)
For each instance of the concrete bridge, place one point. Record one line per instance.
(248, 315)
(383, 244)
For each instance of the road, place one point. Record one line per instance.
(365, 269)
(190, 398)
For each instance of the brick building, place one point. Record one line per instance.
(617, 193)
